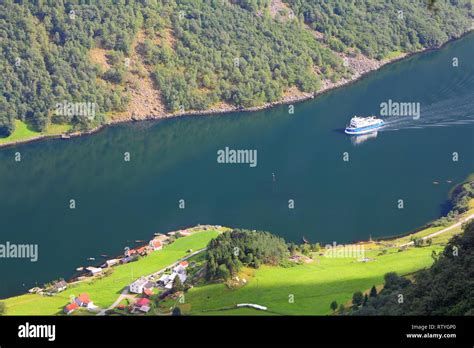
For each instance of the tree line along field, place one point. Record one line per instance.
(311, 286)
(197, 53)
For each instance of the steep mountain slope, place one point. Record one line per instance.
(134, 58)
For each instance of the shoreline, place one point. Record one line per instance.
(80, 276)
(357, 76)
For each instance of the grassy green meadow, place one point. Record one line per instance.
(24, 132)
(313, 286)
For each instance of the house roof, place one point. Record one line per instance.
(148, 292)
(71, 307)
(156, 243)
(141, 250)
(142, 302)
(59, 284)
(84, 298)
(161, 237)
(184, 263)
(142, 282)
(145, 308)
(163, 278)
(179, 269)
(94, 269)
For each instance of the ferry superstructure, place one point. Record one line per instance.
(364, 125)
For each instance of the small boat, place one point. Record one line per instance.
(449, 181)
(91, 259)
(305, 240)
(104, 255)
(65, 136)
(79, 269)
(138, 241)
(435, 182)
(363, 125)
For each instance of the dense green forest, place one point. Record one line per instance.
(460, 198)
(377, 28)
(234, 56)
(447, 288)
(198, 53)
(231, 250)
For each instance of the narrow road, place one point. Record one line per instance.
(125, 293)
(443, 230)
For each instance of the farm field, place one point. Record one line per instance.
(312, 286)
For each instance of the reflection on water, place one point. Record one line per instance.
(359, 139)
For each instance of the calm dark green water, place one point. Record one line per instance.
(119, 202)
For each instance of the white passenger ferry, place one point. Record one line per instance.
(363, 125)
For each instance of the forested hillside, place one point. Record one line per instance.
(195, 54)
(447, 288)
(231, 250)
(377, 28)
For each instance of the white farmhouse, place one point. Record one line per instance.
(139, 285)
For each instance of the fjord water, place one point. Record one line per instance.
(118, 202)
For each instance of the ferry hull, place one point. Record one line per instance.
(363, 130)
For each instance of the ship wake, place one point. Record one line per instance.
(446, 113)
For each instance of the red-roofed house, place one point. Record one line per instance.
(71, 308)
(143, 250)
(143, 305)
(142, 302)
(148, 292)
(82, 300)
(184, 264)
(156, 244)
